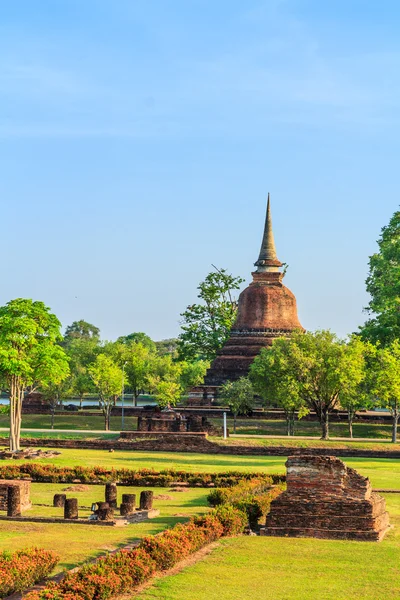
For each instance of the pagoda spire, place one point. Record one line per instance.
(268, 260)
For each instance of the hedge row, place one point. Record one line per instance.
(48, 473)
(252, 496)
(123, 571)
(21, 569)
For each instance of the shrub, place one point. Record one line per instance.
(48, 473)
(254, 497)
(232, 519)
(21, 569)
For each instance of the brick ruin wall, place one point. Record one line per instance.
(25, 493)
(326, 499)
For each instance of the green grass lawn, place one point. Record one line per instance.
(311, 428)
(77, 543)
(65, 420)
(246, 568)
(383, 472)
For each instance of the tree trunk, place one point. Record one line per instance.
(350, 418)
(324, 420)
(288, 423)
(52, 416)
(80, 401)
(16, 396)
(234, 422)
(292, 424)
(395, 421)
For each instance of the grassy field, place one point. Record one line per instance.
(308, 428)
(65, 420)
(77, 543)
(300, 569)
(383, 472)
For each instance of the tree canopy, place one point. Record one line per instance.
(239, 396)
(80, 330)
(383, 284)
(206, 325)
(313, 368)
(30, 354)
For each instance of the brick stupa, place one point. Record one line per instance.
(266, 310)
(326, 499)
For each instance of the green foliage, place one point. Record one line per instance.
(29, 354)
(109, 380)
(81, 330)
(164, 381)
(168, 346)
(82, 352)
(192, 373)
(239, 396)
(138, 338)
(310, 371)
(206, 326)
(383, 284)
(385, 381)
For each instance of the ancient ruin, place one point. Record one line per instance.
(266, 310)
(24, 494)
(326, 499)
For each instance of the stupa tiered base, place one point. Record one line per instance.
(326, 499)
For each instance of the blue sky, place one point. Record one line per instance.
(139, 139)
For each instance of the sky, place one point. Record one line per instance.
(139, 140)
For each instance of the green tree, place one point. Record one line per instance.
(81, 330)
(357, 396)
(138, 338)
(383, 284)
(168, 346)
(165, 381)
(272, 376)
(109, 381)
(239, 396)
(82, 353)
(385, 377)
(30, 354)
(192, 373)
(54, 394)
(206, 326)
(136, 359)
(316, 369)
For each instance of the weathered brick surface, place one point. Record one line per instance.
(326, 499)
(25, 491)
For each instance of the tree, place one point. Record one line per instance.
(239, 396)
(81, 330)
(54, 394)
(137, 361)
(356, 396)
(138, 338)
(316, 369)
(206, 326)
(168, 346)
(109, 381)
(272, 377)
(82, 353)
(192, 373)
(385, 381)
(165, 381)
(383, 284)
(30, 354)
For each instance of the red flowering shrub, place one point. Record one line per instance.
(49, 473)
(21, 569)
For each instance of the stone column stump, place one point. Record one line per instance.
(71, 508)
(13, 502)
(59, 500)
(146, 500)
(111, 494)
(105, 512)
(128, 504)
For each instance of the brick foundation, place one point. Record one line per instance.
(326, 499)
(25, 490)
